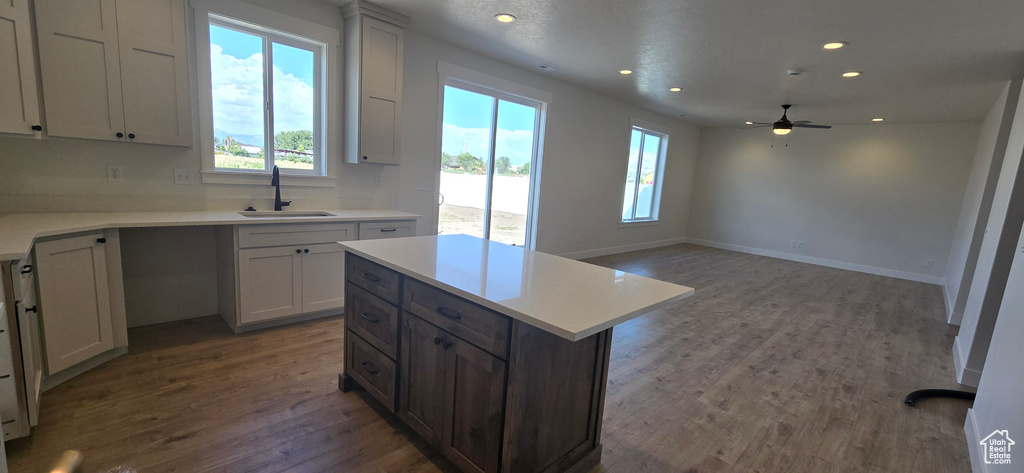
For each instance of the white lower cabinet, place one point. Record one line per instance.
(270, 283)
(74, 300)
(282, 271)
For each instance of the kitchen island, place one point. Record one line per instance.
(496, 355)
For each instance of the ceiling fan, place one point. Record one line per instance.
(783, 126)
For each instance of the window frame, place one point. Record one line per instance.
(663, 133)
(273, 27)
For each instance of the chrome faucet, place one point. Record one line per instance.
(276, 182)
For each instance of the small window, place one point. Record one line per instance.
(266, 96)
(642, 195)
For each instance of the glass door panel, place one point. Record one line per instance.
(510, 195)
(466, 136)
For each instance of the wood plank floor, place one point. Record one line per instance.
(772, 366)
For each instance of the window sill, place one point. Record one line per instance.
(638, 223)
(263, 179)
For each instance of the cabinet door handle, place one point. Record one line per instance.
(369, 367)
(119, 135)
(371, 277)
(365, 158)
(388, 230)
(30, 309)
(305, 250)
(101, 240)
(298, 250)
(446, 344)
(5, 376)
(373, 320)
(131, 136)
(37, 128)
(437, 340)
(444, 313)
(26, 269)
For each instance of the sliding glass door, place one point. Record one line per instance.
(489, 143)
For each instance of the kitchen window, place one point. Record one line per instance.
(641, 196)
(264, 92)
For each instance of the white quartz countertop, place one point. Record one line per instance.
(568, 298)
(19, 231)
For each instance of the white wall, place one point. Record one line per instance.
(981, 187)
(877, 198)
(584, 164)
(994, 258)
(998, 405)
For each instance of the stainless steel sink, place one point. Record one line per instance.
(286, 214)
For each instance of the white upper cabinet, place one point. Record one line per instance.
(19, 100)
(373, 83)
(115, 70)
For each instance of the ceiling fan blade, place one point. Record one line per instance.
(822, 127)
(803, 122)
(754, 126)
(761, 123)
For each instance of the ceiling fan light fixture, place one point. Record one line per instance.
(851, 74)
(626, 72)
(877, 119)
(505, 17)
(781, 131)
(674, 89)
(833, 45)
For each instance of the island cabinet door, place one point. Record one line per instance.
(473, 406)
(422, 383)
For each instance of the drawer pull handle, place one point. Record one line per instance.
(444, 313)
(437, 340)
(373, 320)
(7, 421)
(369, 367)
(371, 277)
(5, 376)
(388, 230)
(446, 344)
(30, 309)
(26, 269)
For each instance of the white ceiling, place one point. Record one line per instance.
(922, 60)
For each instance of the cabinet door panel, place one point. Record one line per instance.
(323, 277)
(74, 300)
(380, 99)
(422, 383)
(473, 407)
(154, 72)
(270, 283)
(80, 67)
(19, 100)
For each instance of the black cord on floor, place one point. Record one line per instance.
(915, 396)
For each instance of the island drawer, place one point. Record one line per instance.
(373, 319)
(470, 322)
(378, 280)
(371, 369)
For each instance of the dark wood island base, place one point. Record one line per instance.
(494, 394)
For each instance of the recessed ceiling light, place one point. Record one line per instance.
(851, 74)
(877, 119)
(833, 45)
(674, 89)
(505, 17)
(626, 72)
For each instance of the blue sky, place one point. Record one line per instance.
(236, 63)
(467, 123)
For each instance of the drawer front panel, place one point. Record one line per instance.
(468, 321)
(378, 280)
(373, 319)
(371, 369)
(397, 229)
(255, 236)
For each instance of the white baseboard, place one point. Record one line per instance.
(621, 249)
(973, 439)
(964, 375)
(952, 317)
(860, 268)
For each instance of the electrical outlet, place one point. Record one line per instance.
(423, 185)
(115, 173)
(184, 176)
(792, 243)
(929, 263)
(380, 182)
(799, 244)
